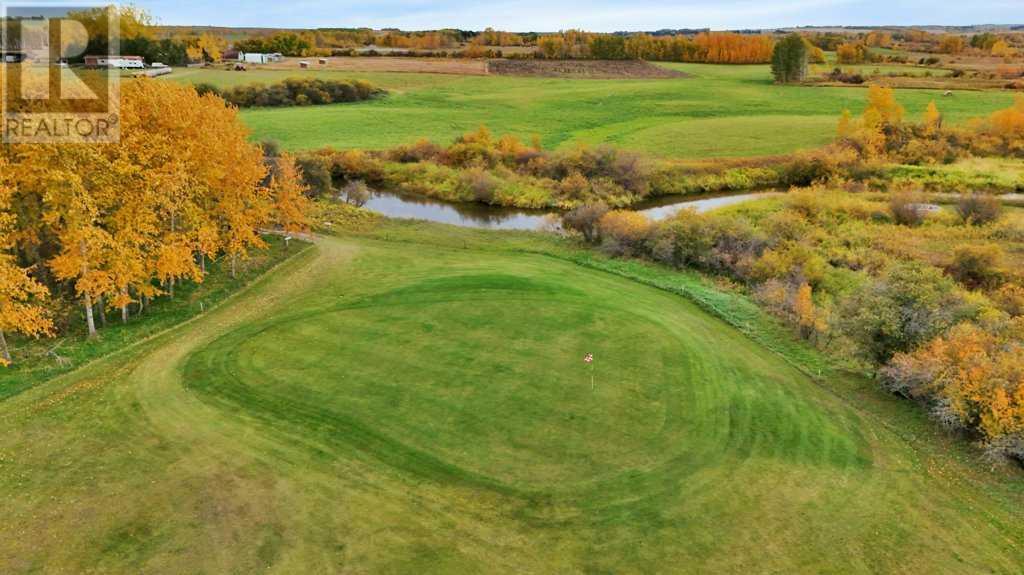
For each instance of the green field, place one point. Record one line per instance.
(415, 400)
(721, 111)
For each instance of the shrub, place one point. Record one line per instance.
(977, 265)
(316, 173)
(479, 184)
(919, 151)
(624, 232)
(979, 209)
(972, 376)
(421, 151)
(575, 186)
(907, 208)
(337, 216)
(910, 304)
(838, 75)
(271, 149)
(203, 88)
(356, 193)
(356, 165)
(791, 261)
(1010, 445)
(736, 246)
(685, 239)
(808, 168)
(300, 92)
(584, 219)
(1010, 299)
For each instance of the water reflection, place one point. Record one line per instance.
(662, 208)
(469, 214)
(475, 215)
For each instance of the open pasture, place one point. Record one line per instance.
(717, 111)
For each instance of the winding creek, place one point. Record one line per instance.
(476, 215)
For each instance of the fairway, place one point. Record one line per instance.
(720, 111)
(416, 400)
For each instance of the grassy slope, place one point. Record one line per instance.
(32, 363)
(721, 111)
(413, 400)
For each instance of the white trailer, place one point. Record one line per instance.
(122, 62)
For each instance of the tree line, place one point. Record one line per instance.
(294, 92)
(137, 36)
(111, 227)
(706, 47)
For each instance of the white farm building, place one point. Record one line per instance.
(258, 57)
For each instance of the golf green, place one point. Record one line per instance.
(417, 400)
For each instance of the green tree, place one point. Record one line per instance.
(789, 59)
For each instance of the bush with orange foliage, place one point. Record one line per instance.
(624, 232)
(973, 378)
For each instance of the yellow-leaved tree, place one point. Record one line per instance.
(803, 308)
(123, 222)
(20, 295)
(291, 206)
(846, 128)
(74, 183)
(932, 120)
(882, 107)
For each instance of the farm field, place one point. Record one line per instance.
(414, 399)
(719, 111)
(387, 64)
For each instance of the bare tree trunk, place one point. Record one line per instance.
(234, 259)
(4, 352)
(202, 262)
(171, 282)
(88, 316)
(124, 307)
(88, 299)
(103, 312)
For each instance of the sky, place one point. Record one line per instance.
(594, 15)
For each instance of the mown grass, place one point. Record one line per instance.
(720, 111)
(37, 360)
(413, 399)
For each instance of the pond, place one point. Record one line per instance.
(475, 215)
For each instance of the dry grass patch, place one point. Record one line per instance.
(461, 66)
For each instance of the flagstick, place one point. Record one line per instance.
(589, 359)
